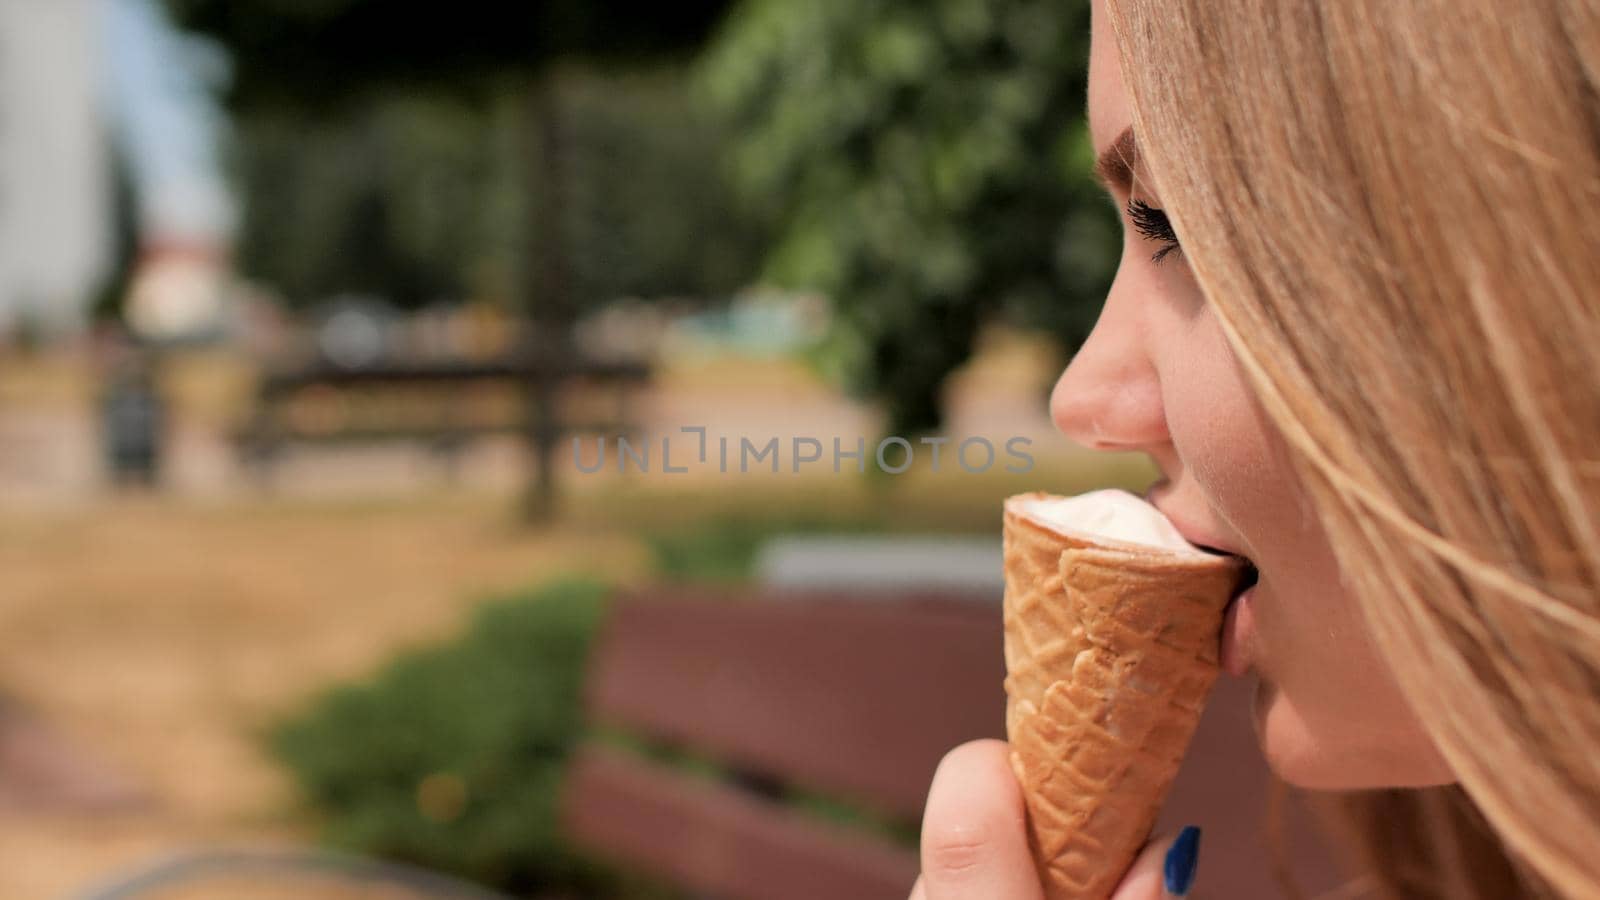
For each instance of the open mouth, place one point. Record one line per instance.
(1248, 579)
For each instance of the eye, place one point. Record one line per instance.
(1152, 223)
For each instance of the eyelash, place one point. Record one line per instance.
(1153, 224)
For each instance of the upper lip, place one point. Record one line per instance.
(1193, 535)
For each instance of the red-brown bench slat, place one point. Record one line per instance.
(855, 697)
(721, 840)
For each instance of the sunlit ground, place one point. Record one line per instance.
(159, 634)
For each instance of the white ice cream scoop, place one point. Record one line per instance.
(1109, 514)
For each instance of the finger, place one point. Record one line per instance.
(1165, 868)
(918, 892)
(974, 840)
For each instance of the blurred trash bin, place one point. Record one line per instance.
(133, 418)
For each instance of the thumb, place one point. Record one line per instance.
(1165, 868)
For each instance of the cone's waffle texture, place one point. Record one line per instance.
(1111, 649)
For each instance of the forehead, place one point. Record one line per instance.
(1108, 102)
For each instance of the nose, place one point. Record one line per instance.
(1109, 397)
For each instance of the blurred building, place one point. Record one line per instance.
(55, 171)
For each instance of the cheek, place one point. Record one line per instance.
(1224, 442)
(1229, 446)
(1328, 713)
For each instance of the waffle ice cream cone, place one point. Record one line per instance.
(1111, 627)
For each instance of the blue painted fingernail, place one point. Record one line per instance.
(1182, 859)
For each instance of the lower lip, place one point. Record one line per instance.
(1238, 629)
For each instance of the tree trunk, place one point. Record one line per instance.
(547, 288)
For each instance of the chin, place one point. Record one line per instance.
(1299, 757)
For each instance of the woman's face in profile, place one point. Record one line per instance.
(1158, 376)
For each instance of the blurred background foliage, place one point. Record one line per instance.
(926, 165)
(923, 164)
(424, 198)
(324, 55)
(411, 150)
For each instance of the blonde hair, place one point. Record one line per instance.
(1394, 211)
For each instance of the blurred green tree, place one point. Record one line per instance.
(388, 146)
(426, 197)
(925, 163)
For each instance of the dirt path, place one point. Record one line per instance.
(162, 637)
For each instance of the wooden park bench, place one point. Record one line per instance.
(857, 698)
(339, 405)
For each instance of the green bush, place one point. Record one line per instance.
(452, 756)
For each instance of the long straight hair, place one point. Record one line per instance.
(1394, 211)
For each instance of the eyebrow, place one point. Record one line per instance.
(1114, 168)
